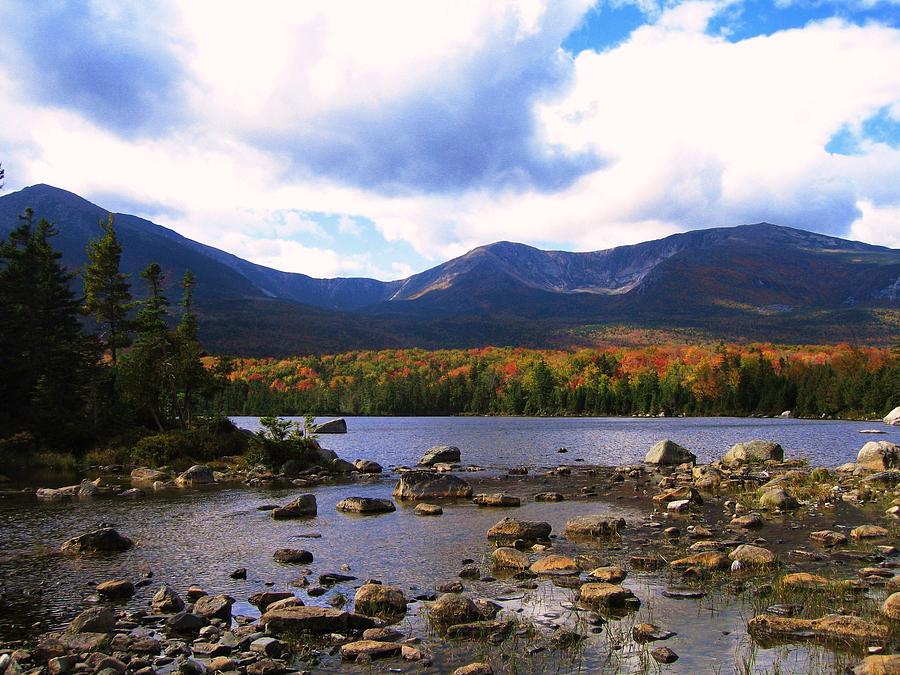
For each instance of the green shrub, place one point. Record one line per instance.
(161, 449)
(279, 441)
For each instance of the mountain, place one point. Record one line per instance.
(757, 281)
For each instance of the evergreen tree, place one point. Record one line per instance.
(191, 378)
(106, 290)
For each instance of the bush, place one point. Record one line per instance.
(278, 442)
(161, 449)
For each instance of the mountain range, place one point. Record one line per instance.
(749, 282)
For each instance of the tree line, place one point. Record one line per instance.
(743, 380)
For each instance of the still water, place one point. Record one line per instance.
(199, 537)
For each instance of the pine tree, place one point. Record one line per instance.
(106, 290)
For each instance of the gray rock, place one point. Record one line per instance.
(214, 607)
(302, 507)
(418, 485)
(93, 620)
(366, 505)
(879, 456)
(754, 451)
(104, 540)
(186, 622)
(335, 426)
(440, 454)
(669, 453)
(512, 529)
(199, 474)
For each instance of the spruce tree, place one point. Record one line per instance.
(106, 290)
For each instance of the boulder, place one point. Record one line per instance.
(868, 532)
(266, 599)
(828, 537)
(893, 417)
(371, 649)
(315, 620)
(778, 499)
(838, 627)
(605, 595)
(186, 623)
(368, 466)
(451, 609)
(669, 453)
(116, 588)
(583, 527)
(709, 560)
(93, 620)
(891, 606)
(509, 558)
(335, 426)
(428, 510)
(610, 575)
(292, 556)
(496, 499)
(214, 607)
(341, 466)
(510, 529)
(424, 485)
(748, 554)
(199, 474)
(440, 454)
(879, 456)
(166, 601)
(365, 505)
(302, 507)
(386, 602)
(104, 540)
(555, 564)
(754, 451)
(145, 474)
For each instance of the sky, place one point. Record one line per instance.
(379, 139)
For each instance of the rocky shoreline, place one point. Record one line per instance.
(811, 551)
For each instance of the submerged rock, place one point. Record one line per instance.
(104, 540)
(415, 485)
(829, 627)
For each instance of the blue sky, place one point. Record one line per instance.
(339, 139)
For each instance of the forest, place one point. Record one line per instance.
(716, 379)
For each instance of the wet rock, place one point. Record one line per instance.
(648, 632)
(708, 560)
(891, 606)
(266, 598)
(868, 532)
(186, 623)
(267, 646)
(335, 426)
(664, 655)
(678, 506)
(440, 454)
(548, 497)
(669, 453)
(222, 664)
(428, 510)
(116, 588)
(239, 573)
(509, 558)
(748, 521)
(828, 537)
(480, 630)
(475, 669)
(497, 499)
(425, 485)
(267, 667)
(370, 648)
(606, 595)
(879, 665)
(214, 607)
(754, 451)
(451, 609)
(778, 498)
(748, 554)
(595, 526)
(609, 575)
(314, 620)
(555, 565)
(804, 580)
(145, 474)
(368, 466)
(199, 474)
(829, 627)
(104, 540)
(366, 505)
(380, 600)
(166, 601)
(302, 507)
(382, 634)
(93, 620)
(878, 456)
(511, 529)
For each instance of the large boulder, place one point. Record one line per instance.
(510, 529)
(416, 485)
(315, 620)
(891, 606)
(93, 620)
(366, 505)
(440, 454)
(302, 507)
(386, 602)
(592, 527)
(104, 540)
(879, 456)
(199, 474)
(335, 426)
(166, 601)
(451, 609)
(214, 607)
(754, 451)
(669, 453)
(893, 417)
